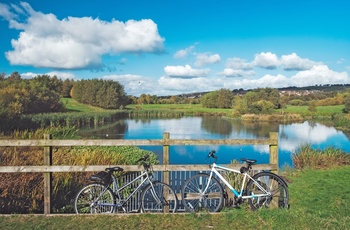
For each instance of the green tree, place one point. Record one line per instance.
(106, 94)
(224, 98)
(347, 104)
(67, 86)
(261, 107)
(312, 106)
(209, 100)
(240, 105)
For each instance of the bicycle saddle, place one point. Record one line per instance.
(114, 169)
(248, 161)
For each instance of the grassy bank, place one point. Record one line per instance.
(315, 204)
(73, 106)
(186, 109)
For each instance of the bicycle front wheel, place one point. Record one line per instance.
(94, 199)
(158, 197)
(195, 200)
(278, 198)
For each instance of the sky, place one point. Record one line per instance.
(176, 47)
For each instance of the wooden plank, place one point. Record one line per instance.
(107, 142)
(127, 168)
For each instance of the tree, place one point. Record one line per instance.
(209, 100)
(224, 98)
(240, 105)
(106, 94)
(312, 106)
(67, 86)
(347, 104)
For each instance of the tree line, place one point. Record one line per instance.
(42, 94)
(266, 100)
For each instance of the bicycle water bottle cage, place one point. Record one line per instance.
(102, 177)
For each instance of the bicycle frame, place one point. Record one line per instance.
(144, 176)
(238, 194)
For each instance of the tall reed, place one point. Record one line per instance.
(307, 157)
(23, 192)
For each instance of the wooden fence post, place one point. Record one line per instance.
(47, 176)
(166, 163)
(166, 157)
(274, 149)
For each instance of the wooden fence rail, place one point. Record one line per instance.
(47, 169)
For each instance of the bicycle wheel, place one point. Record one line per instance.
(158, 198)
(272, 183)
(193, 198)
(94, 199)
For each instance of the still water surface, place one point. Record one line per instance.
(291, 136)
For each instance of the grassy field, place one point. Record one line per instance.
(190, 109)
(320, 110)
(319, 199)
(187, 109)
(74, 106)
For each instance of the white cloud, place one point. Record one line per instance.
(236, 73)
(266, 60)
(135, 84)
(294, 62)
(60, 75)
(6, 13)
(206, 59)
(185, 71)
(73, 43)
(184, 52)
(237, 63)
(180, 85)
(319, 74)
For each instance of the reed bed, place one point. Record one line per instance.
(23, 192)
(71, 119)
(307, 157)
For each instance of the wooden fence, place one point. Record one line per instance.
(48, 143)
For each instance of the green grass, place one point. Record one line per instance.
(320, 110)
(319, 199)
(74, 106)
(187, 109)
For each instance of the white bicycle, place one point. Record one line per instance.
(204, 192)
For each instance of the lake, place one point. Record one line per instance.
(291, 136)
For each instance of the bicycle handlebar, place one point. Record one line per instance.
(211, 154)
(144, 163)
(143, 159)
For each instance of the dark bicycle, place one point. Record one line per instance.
(104, 195)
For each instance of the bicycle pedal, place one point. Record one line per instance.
(235, 205)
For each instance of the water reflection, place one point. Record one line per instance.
(291, 136)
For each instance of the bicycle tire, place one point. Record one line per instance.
(272, 183)
(193, 201)
(86, 203)
(168, 200)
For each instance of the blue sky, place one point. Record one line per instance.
(174, 47)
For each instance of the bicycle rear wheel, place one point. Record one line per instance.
(94, 199)
(158, 198)
(272, 183)
(193, 198)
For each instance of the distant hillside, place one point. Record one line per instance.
(323, 88)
